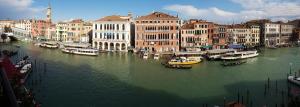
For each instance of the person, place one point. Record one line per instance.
(8, 66)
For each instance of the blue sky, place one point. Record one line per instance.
(221, 11)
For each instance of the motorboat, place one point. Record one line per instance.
(25, 68)
(183, 61)
(156, 56)
(240, 55)
(81, 51)
(51, 45)
(21, 63)
(145, 55)
(294, 79)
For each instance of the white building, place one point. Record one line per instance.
(286, 32)
(239, 34)
(255, 35)
(271, 34)
(112, 33)
(61, 32)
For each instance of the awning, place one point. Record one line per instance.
(235, 46)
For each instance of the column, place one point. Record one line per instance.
(108, 45)
(115, 47)
(98, 45)
(103, 45)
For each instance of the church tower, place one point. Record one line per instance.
(49, 14)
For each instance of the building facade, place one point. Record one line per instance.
(112, 33)
(271, 34)
(62, 32)
(75, 30)
(157, 32)
(51, 32)
(286, 32)
(255, 35)
(220, 37)
(6, 23)
(239, 34)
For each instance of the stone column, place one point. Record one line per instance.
(115, 47)
(98, 43)
(108, 45)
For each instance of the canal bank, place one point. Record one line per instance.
(123, 79)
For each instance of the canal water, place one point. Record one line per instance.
(125, 80)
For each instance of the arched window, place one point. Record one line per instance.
(95, 26)
(117, 26)
(123, 36)
(117, 35)
(95, 35)
(123, 27)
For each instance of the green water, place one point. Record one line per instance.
(125, 80)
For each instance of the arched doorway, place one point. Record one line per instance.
(118, 47)
(111, 46)
(95, 45)
(105, 46)
(123, 47)
(100, 45)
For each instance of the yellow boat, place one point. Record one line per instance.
(183, 61)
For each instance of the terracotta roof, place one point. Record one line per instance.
(237, 26)
(157, 16)
(188, 26)
(76, 21)
(114, 18)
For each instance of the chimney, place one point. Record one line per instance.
(130, 14)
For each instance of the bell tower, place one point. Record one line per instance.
(49, 13)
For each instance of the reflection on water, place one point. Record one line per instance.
(123, 79)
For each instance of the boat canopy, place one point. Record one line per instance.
(235, 46)
(220, 51)
(81, 45)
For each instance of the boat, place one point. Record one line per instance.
(294, 79)
(177, 66)
(81, 51)
(156, 56)
(240, 55)
(183, 61)
(25, 68)
(145, 55)
(21, 63)
(51, 45)
(233, 63)
(218, 53)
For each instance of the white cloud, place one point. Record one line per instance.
(251, 9)
(16, 9)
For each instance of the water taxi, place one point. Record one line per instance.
(240, 55)
(79, 49)
(183, 61)
(218, 53)
(25, 68)
(294, 79)
(51, 45)
(145, 55)
(156, 56)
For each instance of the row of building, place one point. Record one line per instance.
(157, 32)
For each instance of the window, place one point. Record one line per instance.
(123, 27)
(95, 35)
(96, 26)
(123, 36)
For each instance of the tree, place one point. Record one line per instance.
(7, 29)
(3, 37)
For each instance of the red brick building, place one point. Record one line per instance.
(157, 32)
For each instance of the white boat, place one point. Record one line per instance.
(218, 53)
(23, 62)
(145, 55)
(51, 45)
(81, 51)
(156, 56)
(25, 68)
(294, 79)
(240, 55)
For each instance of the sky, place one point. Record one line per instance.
(220, 11)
